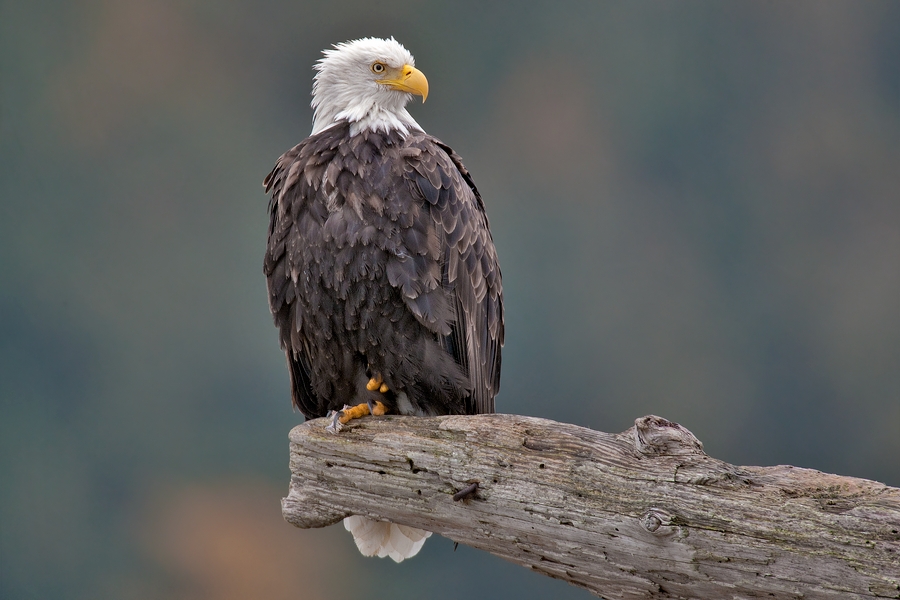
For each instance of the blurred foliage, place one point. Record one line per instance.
(696, 206)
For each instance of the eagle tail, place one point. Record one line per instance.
(382, 538)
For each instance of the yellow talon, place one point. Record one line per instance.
(361, 410)
(376, 383)
(354, 412)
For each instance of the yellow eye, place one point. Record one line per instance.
(378, 68)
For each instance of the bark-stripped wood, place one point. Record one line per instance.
(640, 514)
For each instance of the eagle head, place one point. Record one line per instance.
(367, 82)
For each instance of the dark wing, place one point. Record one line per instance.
(288, 183)
(469, 271)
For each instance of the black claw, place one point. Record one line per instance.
(335, 421)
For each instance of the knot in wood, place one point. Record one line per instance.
(651, 522)
(655, 436)
(658, 522)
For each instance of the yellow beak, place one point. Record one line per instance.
(410, 80)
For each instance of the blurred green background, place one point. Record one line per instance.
(696, 207)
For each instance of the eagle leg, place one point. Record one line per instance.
(377, 384)
(348, 413)
(376, 407)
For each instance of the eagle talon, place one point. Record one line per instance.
(376, 408)
(376, 384)
(336, 424)
(339, 418)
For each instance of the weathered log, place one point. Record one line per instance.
(640, 514)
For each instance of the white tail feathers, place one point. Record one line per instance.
(381, 538)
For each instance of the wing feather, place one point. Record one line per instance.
(469, 270)
(287, 183)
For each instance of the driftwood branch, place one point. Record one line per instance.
(640, 514)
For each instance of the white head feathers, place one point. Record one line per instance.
(361, 82)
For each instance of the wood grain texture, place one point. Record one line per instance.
(640, 514)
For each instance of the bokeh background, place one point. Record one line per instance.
(696, 206)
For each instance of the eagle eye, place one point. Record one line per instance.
(378, 68)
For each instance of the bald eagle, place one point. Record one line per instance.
(382, 273)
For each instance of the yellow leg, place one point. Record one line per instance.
(377, 383)
(353, 412)
(376, 408)
(361, 410)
